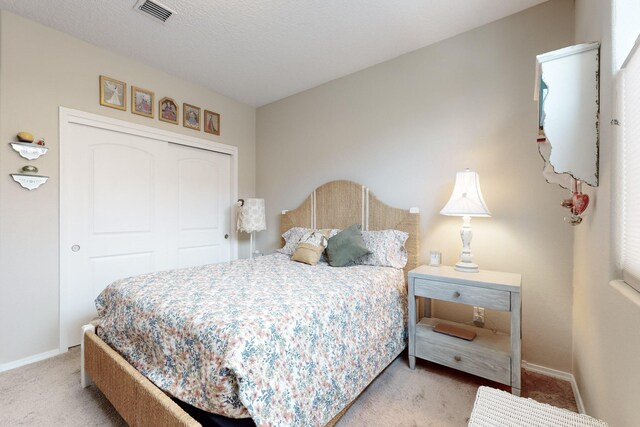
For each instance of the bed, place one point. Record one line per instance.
(295, 350)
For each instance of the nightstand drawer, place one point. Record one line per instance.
(489, 298)
(461, 355)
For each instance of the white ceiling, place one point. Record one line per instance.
(261, 51)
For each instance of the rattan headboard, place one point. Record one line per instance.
(339, 204)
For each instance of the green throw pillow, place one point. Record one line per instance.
(346, 246)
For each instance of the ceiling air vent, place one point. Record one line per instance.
(154, 9)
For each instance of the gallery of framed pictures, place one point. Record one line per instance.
(113, 94)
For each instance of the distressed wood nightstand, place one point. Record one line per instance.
(492, 355)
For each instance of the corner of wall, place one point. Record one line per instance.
(606, 340)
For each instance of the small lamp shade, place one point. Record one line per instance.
(466, 199)
(252, 216)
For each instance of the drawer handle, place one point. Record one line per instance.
(456, 294)
(457, 358)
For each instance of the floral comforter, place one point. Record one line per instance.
(282, 342)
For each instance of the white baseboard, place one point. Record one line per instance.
(565, 376)
(29, 360)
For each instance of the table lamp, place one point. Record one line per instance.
(466, 201)
(251, 218)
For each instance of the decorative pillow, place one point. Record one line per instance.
(291, 239)
(386, 248)
(346, 247)
(293, 236)
(311, 246)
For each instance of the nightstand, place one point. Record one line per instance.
(495, 356)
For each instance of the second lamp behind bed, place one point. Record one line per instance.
(251, 218)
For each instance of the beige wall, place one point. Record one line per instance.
(42, 69)
(404, 127)
(606, 332)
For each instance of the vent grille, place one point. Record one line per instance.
(154, 9)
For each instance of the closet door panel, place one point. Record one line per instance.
(200, 192)
(114, 196)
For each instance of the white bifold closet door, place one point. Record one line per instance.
(133, 205)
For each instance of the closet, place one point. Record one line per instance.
(132, 203)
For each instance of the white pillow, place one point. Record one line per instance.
(386, 247)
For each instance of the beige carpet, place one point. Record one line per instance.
(48, 393)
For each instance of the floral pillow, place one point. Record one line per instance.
(386, 248)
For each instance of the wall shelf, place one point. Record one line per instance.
(30, 182)
(29, 150)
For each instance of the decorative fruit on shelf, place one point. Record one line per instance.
(40, 142)
(25, 137)
(30, 169)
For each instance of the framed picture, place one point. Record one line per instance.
(211, 122)
(113, 93)
(190, 116)
(141, 102)
(168, 110)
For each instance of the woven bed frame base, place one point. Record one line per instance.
(136, 398)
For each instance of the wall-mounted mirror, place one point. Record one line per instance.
(567, 89)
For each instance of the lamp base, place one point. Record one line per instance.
(467, 267)
(465, 264)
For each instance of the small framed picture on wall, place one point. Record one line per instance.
(141, 102)
(168, 110)
(191, 116)
(211, 122)
(113, 93)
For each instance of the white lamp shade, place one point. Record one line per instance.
(466, 199)
(252, 216)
